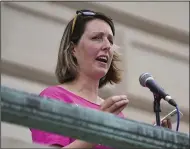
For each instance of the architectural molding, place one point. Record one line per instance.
(160, 51)
(9, 142)
(132, 21)
(128, 20)
(28, 73)
(36, 13)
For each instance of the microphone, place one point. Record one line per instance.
(147, 80)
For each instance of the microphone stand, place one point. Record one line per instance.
(157, 109)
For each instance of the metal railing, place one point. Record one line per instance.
(33, 111)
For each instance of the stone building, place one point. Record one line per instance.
(153, 37)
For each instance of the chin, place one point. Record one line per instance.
(100, 73)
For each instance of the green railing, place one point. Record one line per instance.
(87, 124)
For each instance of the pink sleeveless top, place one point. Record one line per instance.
(61, 94)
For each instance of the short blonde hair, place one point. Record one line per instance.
(66, 68)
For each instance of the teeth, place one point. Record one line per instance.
(103, 57)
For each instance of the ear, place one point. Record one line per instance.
(73, 48)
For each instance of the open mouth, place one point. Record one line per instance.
(103, 59)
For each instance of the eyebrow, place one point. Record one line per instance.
(103, 33)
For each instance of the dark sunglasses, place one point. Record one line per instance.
(84, 13)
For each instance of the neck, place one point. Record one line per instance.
(85, 87)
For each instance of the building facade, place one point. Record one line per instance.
(153, 37)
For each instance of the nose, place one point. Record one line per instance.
(106, 45)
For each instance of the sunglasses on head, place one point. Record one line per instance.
(84, 13)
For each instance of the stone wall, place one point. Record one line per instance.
(152, 38)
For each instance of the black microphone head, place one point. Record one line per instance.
(144, 77)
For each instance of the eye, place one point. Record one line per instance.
(111, 41)
(98, 37)
(110, 38)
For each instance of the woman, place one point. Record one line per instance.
(86, 62)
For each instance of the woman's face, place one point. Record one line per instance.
(94, 51)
